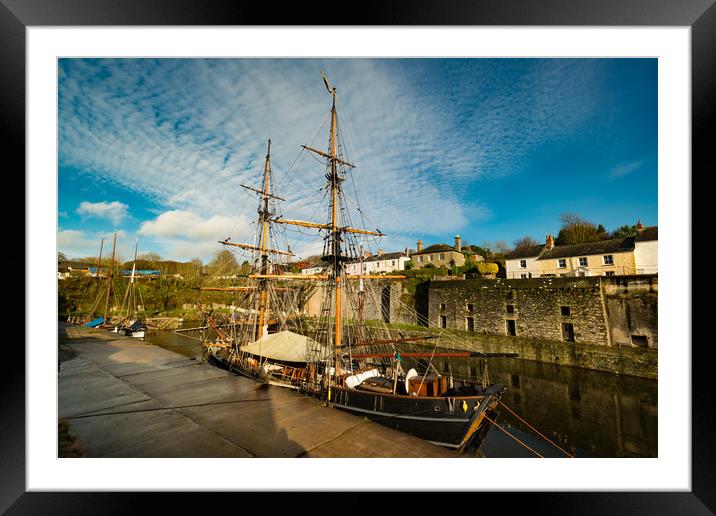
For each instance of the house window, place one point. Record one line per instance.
(608, 259)
(609, 273)
(511, 330)
(470, 307)
(442, 306)
(565, 311)
(442, 256)
(583, 261)
(568, 332)
(392, 263)
(430, 257)
(523, 264)
(420, 258)
(510, 294)
(562, 263)
(510, 309)
(470, 323)
(523, 276)
(443, 321)
(581, 274)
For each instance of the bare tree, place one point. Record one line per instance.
(502, 247)
(525, 241)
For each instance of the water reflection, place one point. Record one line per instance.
(588, 413)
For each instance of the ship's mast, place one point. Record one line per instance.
(131, 302)
(265, 215)
(109, 278)
(335, 232)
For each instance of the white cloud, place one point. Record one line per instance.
(624, 169)
(183, 234)
(81, 244)
(114, 211)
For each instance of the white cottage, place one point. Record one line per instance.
(646, 250)
(379, 263)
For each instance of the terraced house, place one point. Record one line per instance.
(616, 257)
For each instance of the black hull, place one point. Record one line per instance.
(453, 422)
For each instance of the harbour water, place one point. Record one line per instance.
(587, 413)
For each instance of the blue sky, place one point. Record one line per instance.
(492, 149)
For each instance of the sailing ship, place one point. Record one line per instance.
(133, 322)
(243, 343)
(371, 370)
(102, 289)
(130, 321)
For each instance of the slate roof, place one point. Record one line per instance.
(647, 234)
(617, 245)
(378, 258)
(384, 256)
(436, 248)
(525, 252)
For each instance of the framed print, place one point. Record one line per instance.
(106, 98)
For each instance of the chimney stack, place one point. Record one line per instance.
(458, 243)
(550, 242)
(380, 252)
(420, 245)
(639, 226)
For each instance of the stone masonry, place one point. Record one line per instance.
(538, 307)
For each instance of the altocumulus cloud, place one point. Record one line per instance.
(114, 211)
(187, 133)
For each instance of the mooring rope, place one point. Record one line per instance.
(537, 431)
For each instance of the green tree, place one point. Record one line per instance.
(577, 230)
(624, 232)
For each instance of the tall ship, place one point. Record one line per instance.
(367, 366)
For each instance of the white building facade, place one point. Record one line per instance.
(522, 263)
(646, 251)
(378, 264)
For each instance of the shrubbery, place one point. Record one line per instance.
(485, 268)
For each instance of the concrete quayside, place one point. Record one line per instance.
(126, 398)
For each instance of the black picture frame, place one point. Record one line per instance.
(699, 15)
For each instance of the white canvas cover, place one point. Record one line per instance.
(286, 346)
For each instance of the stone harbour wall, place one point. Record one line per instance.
(538, 307)
(602, 323)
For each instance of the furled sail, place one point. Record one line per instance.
(285, 346)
